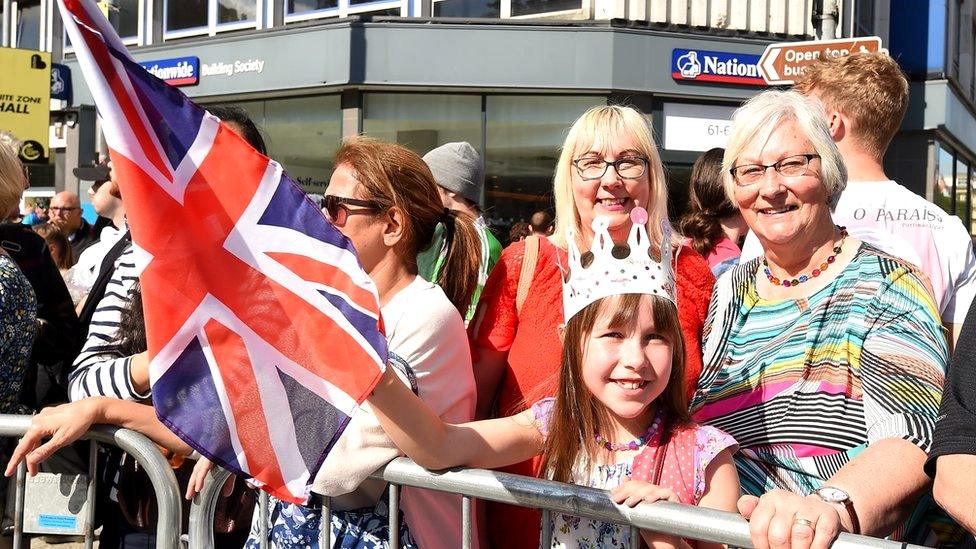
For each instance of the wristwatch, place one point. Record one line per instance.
(830, 494)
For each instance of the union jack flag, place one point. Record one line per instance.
(264, 332)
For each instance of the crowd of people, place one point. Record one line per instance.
(781, 354)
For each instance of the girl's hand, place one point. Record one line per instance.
(198, 477)
(62, 424)
(632, 492)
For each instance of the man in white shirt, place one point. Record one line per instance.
(109, 206)
(865, 96)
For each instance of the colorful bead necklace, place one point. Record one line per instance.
(635, 444)
(816, 272)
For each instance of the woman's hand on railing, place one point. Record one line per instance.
(62, 425)
(781, 519)
(633, 492)
(198, 477)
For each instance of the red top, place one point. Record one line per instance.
(535, 351)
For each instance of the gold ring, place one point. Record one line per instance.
(804, 522)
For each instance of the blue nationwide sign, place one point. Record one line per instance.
(716, 66)
(177, 71)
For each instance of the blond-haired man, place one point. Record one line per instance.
(865, 96)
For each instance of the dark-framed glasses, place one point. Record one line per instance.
(338, 210)
(791, 166)
(627, 167)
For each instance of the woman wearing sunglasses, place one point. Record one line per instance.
(609, 166)
(383, 198)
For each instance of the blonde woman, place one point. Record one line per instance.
(609, 165)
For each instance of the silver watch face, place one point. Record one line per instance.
(832, 495)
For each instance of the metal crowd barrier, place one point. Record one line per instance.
(135, 444)
(552, 497)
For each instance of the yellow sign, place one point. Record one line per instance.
(25, 100)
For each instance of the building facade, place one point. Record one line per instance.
(509, 76)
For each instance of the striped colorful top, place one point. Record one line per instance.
(805, 385)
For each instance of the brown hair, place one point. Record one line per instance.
(395, 177)
(869, 88)
(708, 201)
(65, 258)
(577, 415)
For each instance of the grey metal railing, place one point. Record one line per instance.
(135, 444)
(682, 520)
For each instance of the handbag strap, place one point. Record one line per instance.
(661, 454)
(527, 273)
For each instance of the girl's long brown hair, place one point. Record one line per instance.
(394, 176)
(577, 414)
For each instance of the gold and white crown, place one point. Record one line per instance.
(611, 269)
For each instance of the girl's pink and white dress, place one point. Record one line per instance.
(689, 451)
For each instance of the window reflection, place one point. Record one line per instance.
(236, 11)
(29, 25)
(467, 8)
(962, 191)
(302, 134)
(421, 122)
(524, 134)
(186, 14)
(304, 6)
(126, 18)
(533, 7)
(944, 181)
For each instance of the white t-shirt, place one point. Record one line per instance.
(425, 331)
(905, 225)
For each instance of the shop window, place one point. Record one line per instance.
(192, 17)
(972, 203)
(302, 134)
(962, 191)
(502, 8)
(524, 135)
(27, 24)
(302, 10)
(943, 192)
(421, 122)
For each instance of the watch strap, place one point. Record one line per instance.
(848, 504)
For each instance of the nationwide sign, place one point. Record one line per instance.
(781, 63)
(178, 71)
(716, 66)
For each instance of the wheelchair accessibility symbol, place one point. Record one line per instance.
(688, 65)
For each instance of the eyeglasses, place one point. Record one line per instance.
(628, 167)
(338, 210)
(58, 209)
(791, 166)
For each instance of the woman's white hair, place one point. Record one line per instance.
(12, 177)
(758, 118)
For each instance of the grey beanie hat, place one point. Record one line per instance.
(457, 167)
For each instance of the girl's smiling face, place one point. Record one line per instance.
(626, 365)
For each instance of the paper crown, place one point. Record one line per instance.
(612, 269)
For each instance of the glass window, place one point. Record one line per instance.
(962, 191)
(467, 8)
(29, 25)
(302, 134)
(422, 121)
(236, 11)
(305, 6)
(944, 179)
(186, 14)
(127, 18)
(524, 134)
(972, 203)
(533, 7)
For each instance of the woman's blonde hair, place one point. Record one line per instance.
(593, 131)
(756, 120)
(577, 415)
(13, 179)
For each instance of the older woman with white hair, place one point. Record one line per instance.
(18, 306)
(824, 357)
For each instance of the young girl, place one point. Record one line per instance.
(619, 420)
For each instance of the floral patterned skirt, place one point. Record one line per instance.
(296, 526)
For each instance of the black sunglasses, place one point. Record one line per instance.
(338, 210)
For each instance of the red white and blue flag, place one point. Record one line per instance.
(264, 332)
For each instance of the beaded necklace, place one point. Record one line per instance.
(816, 272)
(635, 444)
